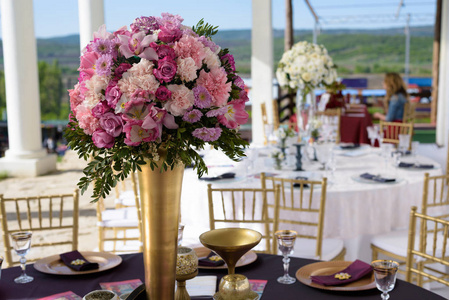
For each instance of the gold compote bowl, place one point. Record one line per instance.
(231, 244)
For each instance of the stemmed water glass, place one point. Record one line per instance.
(286, 241)
(385, 276)
(22, 245)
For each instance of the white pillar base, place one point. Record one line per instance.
(31, 167)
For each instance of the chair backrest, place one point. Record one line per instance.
(331, 117)
(409, 112)
(431, 248)
(392, 130)
(301, 206)
(276, 118)
(435, 199)
(263, 109)
(245, 207)
(52, 219)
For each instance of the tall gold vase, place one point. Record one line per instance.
(160, 194)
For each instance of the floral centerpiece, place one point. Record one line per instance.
(159, 84)
(278, 157)
(303, 68)
(283, 134)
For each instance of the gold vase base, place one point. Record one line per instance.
(181, 291)
(251, 296)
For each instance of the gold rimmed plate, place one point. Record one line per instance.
(330, 267)
(247, 258)
(54, 265)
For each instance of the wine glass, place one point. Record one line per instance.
(22, 244)
(286, 241)
(385, 276)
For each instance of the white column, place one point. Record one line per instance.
(442, 127)
(91, 17)
(25, 156)
(261, 65)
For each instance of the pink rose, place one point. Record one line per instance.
(100, 109)
(162, 93)
(113, 95)
(102, 140)
(163, 51)
(122, 68)
(166, 69)
(169, 35)
(112, 124)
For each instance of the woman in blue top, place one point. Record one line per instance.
(395, 98)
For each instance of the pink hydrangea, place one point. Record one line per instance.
(216, 84)
(75, 98)
(182, 98)
(235, 115)
(189, 46)
(187, 69)
(140, 76)
(86, 120)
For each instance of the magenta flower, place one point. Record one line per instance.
(170, 28)
(228, 59)
(100, 109)
(166, 69)
(145, 24)
(192, 116)
(135, 110)
(138, 45)
(113, 94)
(202, 97)
(122, 68)
(112, 124)
(238, 81)
(104, 64)
(207, 134)
(235, 115)
(102, 46)
(163, 51)
(102, 139)
(162, 93)
(140, 94)
(87, 64)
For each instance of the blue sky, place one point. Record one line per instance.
(60, 17)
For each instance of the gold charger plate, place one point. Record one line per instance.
(330, 267)
(246, 259)
(54, 265)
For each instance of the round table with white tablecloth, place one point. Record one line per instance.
(356, 209)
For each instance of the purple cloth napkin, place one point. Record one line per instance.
(222, 176)
(77, 262)
(416, 166)
(357, 270)
(207, 262)
(377, 178)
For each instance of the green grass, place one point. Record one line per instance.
(3, 175)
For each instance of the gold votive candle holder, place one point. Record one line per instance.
(187, 261)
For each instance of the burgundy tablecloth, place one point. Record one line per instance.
(353, 126)
(267, 267)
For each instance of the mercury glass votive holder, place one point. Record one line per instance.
(187, 261)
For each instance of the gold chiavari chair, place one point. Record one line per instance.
(392, 130)
(409, 112)
(53, 220)
(248, 208)
(127, 192)
(120, 226)
(263, 109)
(435, 201)
(276, 119)
(333, 117)
(301, 208)
(430, 250)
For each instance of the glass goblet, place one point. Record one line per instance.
(385, 276)
(22, 245)
(286, 241)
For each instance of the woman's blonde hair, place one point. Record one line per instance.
(394, 85)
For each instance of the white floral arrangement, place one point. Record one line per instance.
(306, 66)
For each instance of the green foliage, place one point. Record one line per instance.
(50, 90)
(205, 29)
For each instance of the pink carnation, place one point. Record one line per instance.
(216, 84)
(75, 98)
(140, 76)
(189, 46)
(87, 122)
(181, 99)
(187, 69)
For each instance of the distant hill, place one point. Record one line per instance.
(354, 51)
